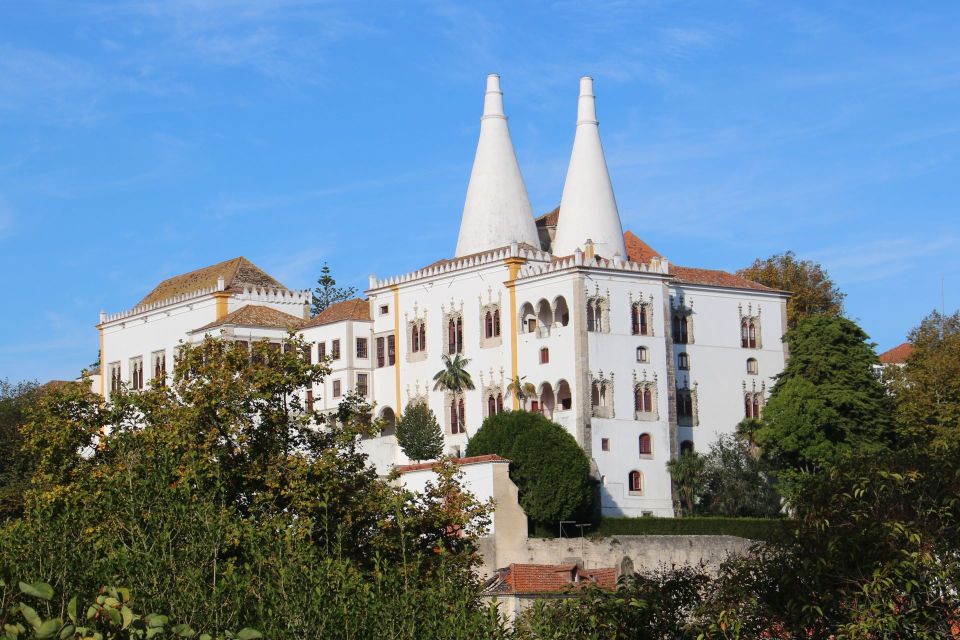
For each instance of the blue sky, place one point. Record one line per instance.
(145, 139)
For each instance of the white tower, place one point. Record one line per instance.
(588, 210)
(497, 211)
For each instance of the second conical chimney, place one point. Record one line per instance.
(588, 209)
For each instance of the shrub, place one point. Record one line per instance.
(750, 528)
(418, 433)
(549, 468)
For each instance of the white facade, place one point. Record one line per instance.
(636, 358)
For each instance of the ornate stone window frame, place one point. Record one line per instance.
(756, 399)
(417, 323)
(681, 309)
(604, 408)
(644, 309)
(495, 309)
(598, 311)
(751, 333)
(693, 419)
(452, 313)
(642, 383)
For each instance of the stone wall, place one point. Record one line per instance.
(645, 552)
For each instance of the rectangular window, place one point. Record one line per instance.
(605, 444)
(309, 399)
(336, 388)
(335, 349)
(391, 350)
(321, 351)
(544, 355)
(362, 384)
(381, 352)
(384, 309)
(362, 348)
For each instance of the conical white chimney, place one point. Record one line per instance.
(588, 209)
(497, 210)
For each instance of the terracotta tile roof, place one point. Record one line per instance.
(534, 579)
(549, 219)
(255, 315)
(690, 275)
(236, 273)
(460, 462)
(352, 309)
(897, 355)
(637, 249)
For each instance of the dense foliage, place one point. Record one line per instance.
(549, 468)
(216, 502)
(812, 292)
(418, 433)
(749, 528)
(927, 387)
(14, 471)
(828, 402)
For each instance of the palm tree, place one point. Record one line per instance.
(522, 390)
(454, 378)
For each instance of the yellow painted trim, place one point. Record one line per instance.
(397, 410)
(102, 366)
(222, 299)
(513, 265)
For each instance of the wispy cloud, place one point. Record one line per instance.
(882, 258)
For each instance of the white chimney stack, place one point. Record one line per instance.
(588, 209)
(497, 210)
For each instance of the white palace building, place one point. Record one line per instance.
(637, 358)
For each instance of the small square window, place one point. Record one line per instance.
(605, 444)
(384, 309)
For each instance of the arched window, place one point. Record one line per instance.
(646, 444)
(499, 402)
(642, 354)
(591, 319)
(423, 336)
(752, 367)
(744, 338)
(647, 400)
(496, 322)
(686, 414)
(750, 332)
(686, 447)
(596, 309)
(455, 335)
(683, 362)
(753, 405)
(491, 406)
(639, 322)
(488, 324)
(635, 482)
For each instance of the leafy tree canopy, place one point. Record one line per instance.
(927, 387)
(328, 293)
(549, 468)
(15, 471)
(812, 291)
(418, 432)
(827, 402)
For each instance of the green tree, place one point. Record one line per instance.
(327, 292)
(16, 469)
(686, 471)
(418, 432)
(219, 501)
(812, 292)
(454, 377)
(927, 387)
(550, 469)
(736, 482)
(827, 402)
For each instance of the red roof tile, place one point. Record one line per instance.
(549, 219)
(255, 315)
(460, 462)
(536, 579)
(637, 249)
(352, 309)
(714, 277)
(898, 355)
(235, 273)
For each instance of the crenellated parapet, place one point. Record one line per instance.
(515, 250)
(276, 296)
(580, 260)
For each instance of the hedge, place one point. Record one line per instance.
(750, 528)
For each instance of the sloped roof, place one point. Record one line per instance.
(534, 579)
(638, 250)
(897, 355)
(255, 315)
(714, 277)
(236, 273)
(549, 219)
(352, 309)
(460, 462)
